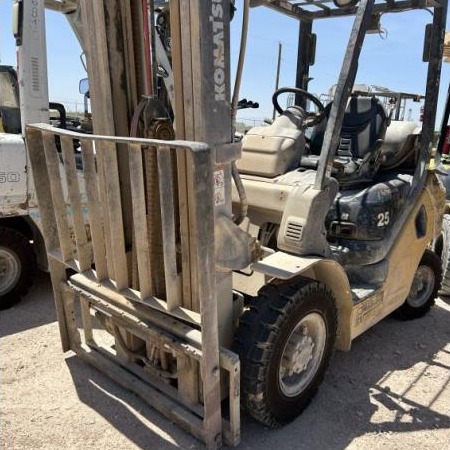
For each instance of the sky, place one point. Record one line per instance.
(394, 61)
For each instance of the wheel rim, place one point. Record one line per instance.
(9, 270)
(302, 354)
(422, 287)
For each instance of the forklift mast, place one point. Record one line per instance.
(159, 211)
(201, 67)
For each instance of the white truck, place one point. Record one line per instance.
(23, 99)
(21, 243)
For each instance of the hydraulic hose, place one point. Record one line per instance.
(240, 66)
(136, 117)
(242, 195)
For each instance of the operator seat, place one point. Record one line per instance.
(363, 129)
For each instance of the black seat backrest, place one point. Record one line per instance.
(364, 124)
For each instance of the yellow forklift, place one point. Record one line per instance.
(337, 225)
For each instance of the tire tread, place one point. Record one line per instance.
(445, 256)
(255, 340)
(17, 242)
(406, 311)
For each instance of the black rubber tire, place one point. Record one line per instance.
(260, 340)
(17, 244)
(445, 255)
(410, 312)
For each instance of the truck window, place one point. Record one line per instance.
(8, 95)
(9, 101)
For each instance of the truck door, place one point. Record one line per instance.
(13, 156)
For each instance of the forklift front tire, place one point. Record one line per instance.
(285, 341)
(424, 288)
(445, 255)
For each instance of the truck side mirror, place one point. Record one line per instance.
(84, 87)
(17, 21)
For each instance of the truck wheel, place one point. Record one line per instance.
(445, 255)
(17, 266)
(424, 288)
(285, 341)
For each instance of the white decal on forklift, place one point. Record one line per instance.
(383, 219)
(219, 187)
(219, 49)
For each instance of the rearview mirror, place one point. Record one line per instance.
(17, 21)
(84, 87)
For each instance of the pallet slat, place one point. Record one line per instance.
(83, 249)
(35, 148)
(140, 221)
(108, 238)
(96, 217)
(203, 261)
(57, 193)
(169, 408)
(166, 190)
(155, 338)
(110, 175)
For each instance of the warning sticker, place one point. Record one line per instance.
(367, 309)
(219, 187)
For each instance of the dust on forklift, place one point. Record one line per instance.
(339, 226)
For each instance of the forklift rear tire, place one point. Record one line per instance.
(17, 266)
(285, 341)
(424, 289)
(445, 255)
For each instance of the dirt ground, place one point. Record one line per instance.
(391, 391)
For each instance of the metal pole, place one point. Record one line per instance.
(304, 60)
(432, 90)
(277, 81)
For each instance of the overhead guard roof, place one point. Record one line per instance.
(322, 9)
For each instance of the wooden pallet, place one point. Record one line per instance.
(162, 350)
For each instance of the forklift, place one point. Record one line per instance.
(337, 225)
(352, 199)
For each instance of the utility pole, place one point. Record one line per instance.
(280, 46)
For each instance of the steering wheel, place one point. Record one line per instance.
(311, 118)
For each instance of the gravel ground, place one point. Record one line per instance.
(391, 391)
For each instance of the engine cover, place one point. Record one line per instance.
(273, 150)
(368, 214)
